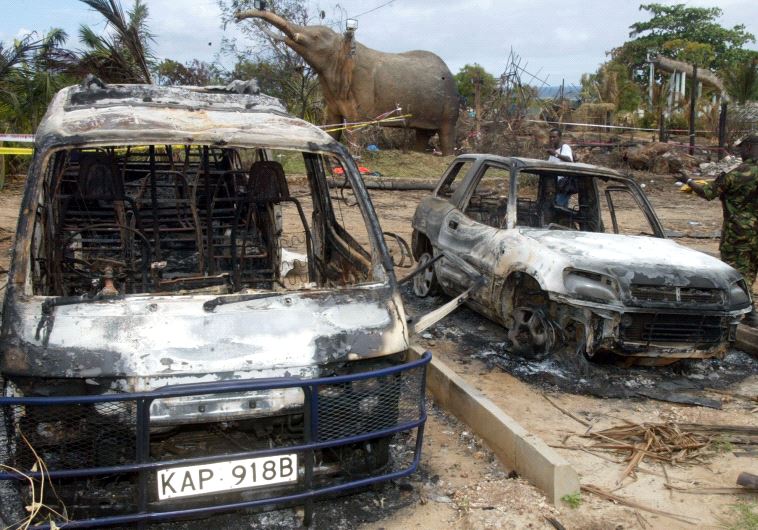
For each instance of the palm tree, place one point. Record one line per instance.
(30, 74)
(12, 60)
(124, 55)
(742, 80)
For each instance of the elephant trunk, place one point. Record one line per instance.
(291, 31)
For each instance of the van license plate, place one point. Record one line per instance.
(226, 476)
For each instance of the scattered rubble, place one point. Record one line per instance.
(660, 158)
(714, 169)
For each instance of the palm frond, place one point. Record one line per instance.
(742, 80)
(128, 44)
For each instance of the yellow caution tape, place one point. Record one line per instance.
(23, 151)
(360, 125)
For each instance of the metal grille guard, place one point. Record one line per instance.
(411, 416)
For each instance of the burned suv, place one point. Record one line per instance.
(192, 322)
(595, 271)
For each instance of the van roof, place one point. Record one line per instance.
(97, 114)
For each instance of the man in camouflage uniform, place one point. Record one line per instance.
(738, 192)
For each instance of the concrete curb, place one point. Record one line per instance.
(516, 448)
(747, 339)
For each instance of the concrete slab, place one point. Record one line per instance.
(516, 448)
(747, 339)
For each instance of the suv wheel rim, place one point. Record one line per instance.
(423, 281)
(532, 333)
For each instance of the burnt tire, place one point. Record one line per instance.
(367, 457)
(12, 513)
(425, 282)
(532, 333)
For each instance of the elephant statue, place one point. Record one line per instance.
(359, 83)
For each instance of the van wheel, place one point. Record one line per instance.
(425, 282)
(367, 457)
(12, 513)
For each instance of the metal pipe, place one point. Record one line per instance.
(419, 269)
(154, 201)
(209, 268)
(693, 109)
(310, 433)
(143, 452)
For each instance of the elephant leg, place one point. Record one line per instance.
(422, 139)
(447, 139)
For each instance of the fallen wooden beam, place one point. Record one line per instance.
(390, 184)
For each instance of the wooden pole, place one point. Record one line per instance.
(693, 109)
(2, 169)
(478, 109)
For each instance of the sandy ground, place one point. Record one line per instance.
(461, 484)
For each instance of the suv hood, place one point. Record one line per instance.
(633, 258)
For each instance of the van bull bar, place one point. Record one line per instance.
(106, 443)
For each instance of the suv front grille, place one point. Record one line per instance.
(674, 328)
(665, 293)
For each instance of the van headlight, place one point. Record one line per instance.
(588, 285)
(739, 294)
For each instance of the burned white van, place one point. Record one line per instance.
(192, 322)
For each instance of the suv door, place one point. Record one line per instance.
(474, 225)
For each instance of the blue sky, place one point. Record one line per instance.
(555, 39)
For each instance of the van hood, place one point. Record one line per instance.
(147, 336)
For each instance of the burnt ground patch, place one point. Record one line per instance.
(477, 338)
(339, 513)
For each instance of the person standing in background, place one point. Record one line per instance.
(561, 152)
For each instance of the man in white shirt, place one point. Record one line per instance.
(560, 152)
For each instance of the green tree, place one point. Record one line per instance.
(681, 22)
(689, 51)
(193, 73)
(742, 80)
(279, 70)
(467, 78)
(123, 55)
(31, 72)
(612, 84)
